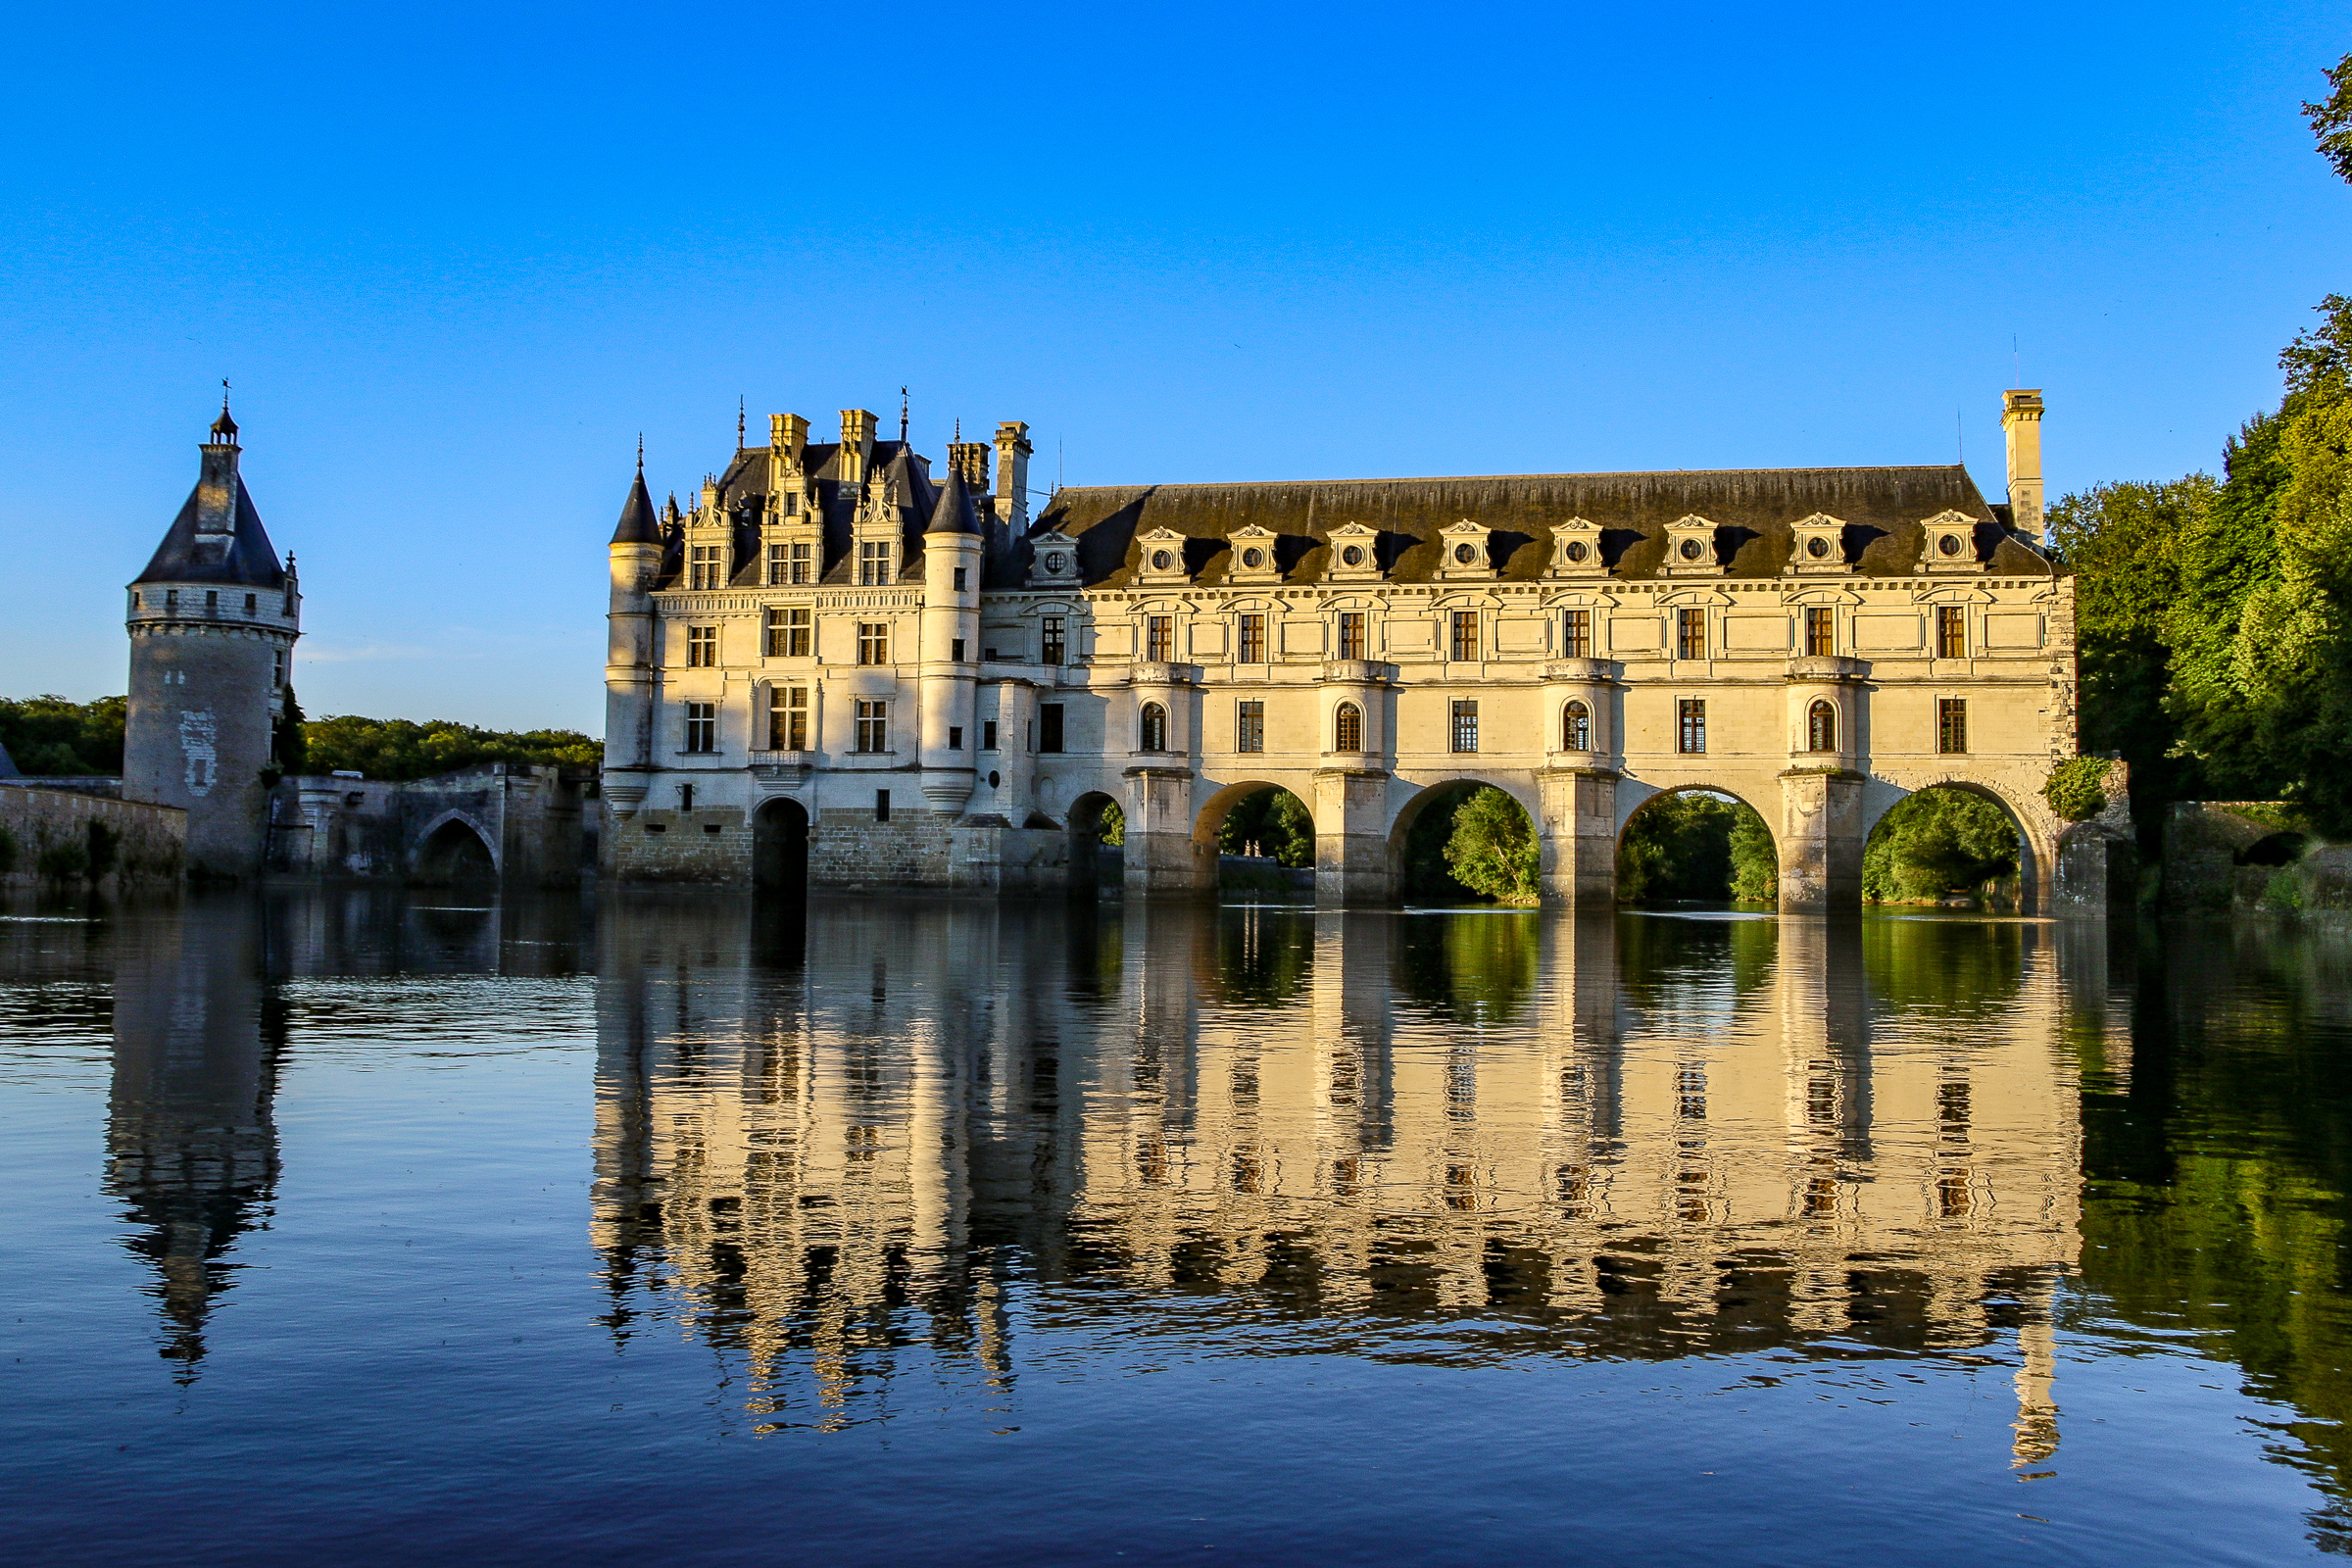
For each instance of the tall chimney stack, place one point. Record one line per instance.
(1012, 476)
(2020, 422)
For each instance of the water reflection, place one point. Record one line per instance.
(1443, 1138)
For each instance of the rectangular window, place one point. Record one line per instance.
(702, 647)
(962, 573)
(956, 649)
(701, 568)
(1951, 726)
(1576, 634)
(779, 565)
(803, 564)
(1251, 641)
(1352, 634)
(212, 598)
(873, 562)
(872, 725)
(277, 672)
(702, 727)
(988, 734)
(873, 641)
(1051, 653)
(1690, 633)
(1159, 638)
(1249, 727)
(1952, 632)
(881, 806)
(800, 632)
(788, 718)
(1463, 731)
(1049, 726)
(955, 737)
(249, 603)
(1465, 639)
(1821, 633)
(1692, 713)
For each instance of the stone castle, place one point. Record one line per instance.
(841, 666)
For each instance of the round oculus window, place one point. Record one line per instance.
(1576, 550)
(1353, 556)
(1253, 557)
(1162, 559)
(993, 778)
(1053, 560)
(1818, 547)
(1692, 549)
(1948, 544)
(1465, 554)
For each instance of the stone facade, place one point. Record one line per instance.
(82, 836)
(522, 825)
(829, 636)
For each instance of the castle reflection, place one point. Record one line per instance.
(839, 1147)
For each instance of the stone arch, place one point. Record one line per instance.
(1094, 866)
(2038, 848)
(1408, 812)
(1773, 827)
(781, 848)
(1212, 812)
(454, 848)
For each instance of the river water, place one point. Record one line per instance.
(371, 1227)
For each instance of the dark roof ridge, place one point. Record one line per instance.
(1481, 478)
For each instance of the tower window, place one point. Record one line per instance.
(1154, 727)
(955, 737)
(278, 669)
(1464, 644)
(872, 726)
(963, 574)
(881, 806)
(1821, 728)
(1821, 632)
(1049, 726)
(1692, 713)
(873, 641)
(988, 734)
(1348, 728)
(212, 598)
(956, 649)
(170, 599)
(1249, 727)
(1251, 640)
(1952, 632)
(1462, 731)
(1575, 633)
(1052, 651)
(873, 562)
(1352, 635)
(702, 727)
(250, 604)
(1951, 726)
(788, 718)
(702, 647)
(703, 567)
(1576, 728)
(1690, 633)
(1159, 638)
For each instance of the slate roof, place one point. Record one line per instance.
(243, 556)
(638, 525)
(954, 514)
(1883, 510)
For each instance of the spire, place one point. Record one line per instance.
(901, 416)
(224, 428)
(953, 513)
(637, 524)
(739, 408)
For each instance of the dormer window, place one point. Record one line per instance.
(1576, 549)
(1054, 560)
(1465, 548)
(1253, 558)
(1949, 543)
(702, 570)
(1355, 553)
(1690, 550)
(1162, 558)
(1817, 547)
(873, 562)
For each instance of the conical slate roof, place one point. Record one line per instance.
(953, 513)
(241, 555)
(638, 525)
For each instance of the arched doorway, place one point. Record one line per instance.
(780, 850)
(1256, 833)
(1948, 844)
(1098, 846)
(1466, 840)
(454, 852)
(1698, 844)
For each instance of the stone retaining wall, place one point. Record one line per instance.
(71, 838)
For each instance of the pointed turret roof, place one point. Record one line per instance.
(954, 513)
(217, 536)
(638, 525)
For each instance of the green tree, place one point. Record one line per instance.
(1696, 845)
(51, 737)
(1274, 820)
(1938, 842)
(1492, 849)
(398, 749)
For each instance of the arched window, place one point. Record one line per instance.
(1155, 727)
(1821, 728)
(1348, 728)
(1576, 728)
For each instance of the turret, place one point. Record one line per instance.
(213, 620)
(954, 546)
(629, 670)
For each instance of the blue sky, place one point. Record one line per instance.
(455, 257)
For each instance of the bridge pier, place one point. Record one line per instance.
(1822, 839)
(1578, 829)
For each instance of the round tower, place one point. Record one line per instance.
(953, 547)
(629, 674)
(213, 621)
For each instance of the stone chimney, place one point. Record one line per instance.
(857, 444)
(1012, 476)
(969, 459)
(787, 440)
(216, 482)
(2020, 422)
